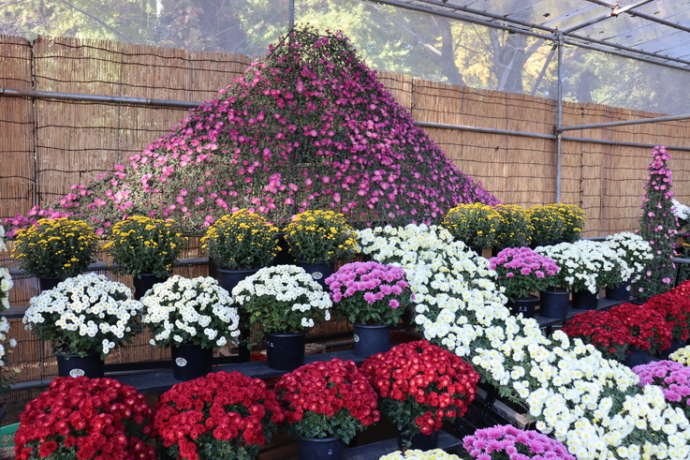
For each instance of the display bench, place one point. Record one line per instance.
(550, 323)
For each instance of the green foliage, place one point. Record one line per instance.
(341, 425)
(403, 414)
(212, 449)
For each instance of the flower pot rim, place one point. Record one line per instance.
(585, 292)
(301, 263)
(69, 355)
(556, 291)
(150, 275)
(286, 334)
(531, 298)
(371, 326)
(324, 440)
(238, 270)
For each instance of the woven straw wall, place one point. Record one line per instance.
(48, 145)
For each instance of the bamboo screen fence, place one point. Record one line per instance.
(47, 145)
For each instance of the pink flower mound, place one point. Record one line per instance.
(514, 444)
(307, 127)
(672, 377)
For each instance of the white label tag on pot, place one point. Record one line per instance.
(270, 344)
(180, 362)
(317, 275)
(77, 373)
(356, 338)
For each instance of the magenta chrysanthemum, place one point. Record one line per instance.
(506, 441)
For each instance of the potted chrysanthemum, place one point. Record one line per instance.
(637, 253)
(6, 285)
(474, 224)
(55, 249)
(317, 239)
(648, 330)
(556, 223)
(584, 266)
(145, 248)
(81, 418)
(5, 277)
(506, 441)
(239, 244)
(421, 385)
(326, 404)
(84, 317)
(284, 301)
(192, 316)
(512, 227)
(373, 297)
(522, 272)
(219, 416)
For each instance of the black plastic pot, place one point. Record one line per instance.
(525, 306)
(585, 300)
(620, 292)
(285, 351)
(321, 448)
(319, 272)
(554, 304)
(420, 442)
(190, 361)
(144, 282)
(228, 279)
(48, 283)
(76, 366)
(371, 339)
(675, 345)
(636, 357)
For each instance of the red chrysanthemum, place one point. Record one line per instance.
(601, 329)
(84, 418)
(208, 417)
(422, 385)
(330, 398)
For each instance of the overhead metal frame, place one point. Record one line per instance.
(561, 38)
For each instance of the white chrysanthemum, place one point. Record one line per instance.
(591, 404)
(88, 312)
(302, 297)
(412, 454)
(5, 277)
(634, 250)
(190, 310)
(584, 264)
(680, 210)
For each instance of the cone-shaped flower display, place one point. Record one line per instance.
(308, 126)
